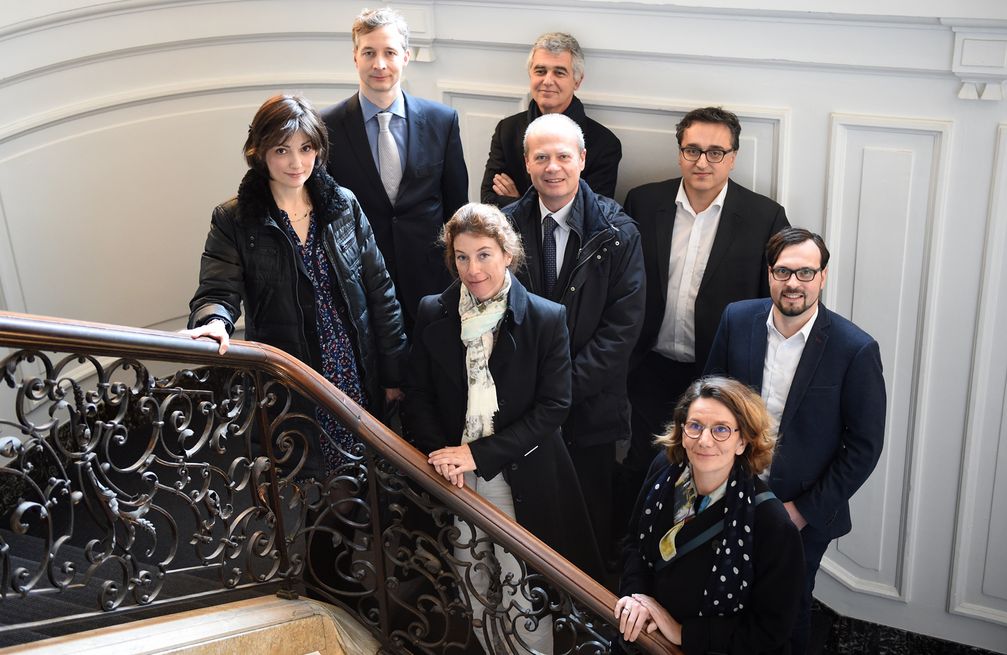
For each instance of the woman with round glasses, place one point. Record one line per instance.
(713, 561)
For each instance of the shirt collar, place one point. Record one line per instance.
(369, 109)
(560, 215)
(805, 331)
(682, 199)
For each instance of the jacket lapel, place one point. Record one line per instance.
(725, 234)
(356, 135)
(665, 225)
(416, 139)
(757, 344)
(442, 339)
(810, 358)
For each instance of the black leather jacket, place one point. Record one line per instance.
(248, 258)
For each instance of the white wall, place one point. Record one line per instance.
(121, 125)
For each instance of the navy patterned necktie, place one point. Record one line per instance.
(549, 226)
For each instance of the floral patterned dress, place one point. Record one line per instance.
(339, 359)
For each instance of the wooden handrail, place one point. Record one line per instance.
(44, 333)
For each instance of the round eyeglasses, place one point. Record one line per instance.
(713, 155)
(720, 432)
(782, 273)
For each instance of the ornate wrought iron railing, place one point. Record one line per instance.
(138, 468)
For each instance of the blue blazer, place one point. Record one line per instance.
(833, 424)
(434, 185)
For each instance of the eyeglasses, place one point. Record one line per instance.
(713, 155)
(720, 432)
(782, 273)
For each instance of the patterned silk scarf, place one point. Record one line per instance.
(480, 321)
(732, 574)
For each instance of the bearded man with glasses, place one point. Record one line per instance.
(703, 238)
(820, 377)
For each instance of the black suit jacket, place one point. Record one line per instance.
(530, 364)
(434, 185)
(833, 424)
(601, 170)
(737, 266)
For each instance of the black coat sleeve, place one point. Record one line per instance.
(221, 279)
(615, 337)
(383, 307)
(779, 222)
(602, 172)
(552, 403)
(495, 163)
(420, 415)
(637, 577)
(455, 178)
(716, 361)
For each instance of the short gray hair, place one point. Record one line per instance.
(554, 124)
(373, 19)
(557, 43)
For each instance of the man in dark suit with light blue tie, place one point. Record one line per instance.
(821, 378)
(402, 157)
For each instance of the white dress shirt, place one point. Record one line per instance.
(782, 357)
(691, 241)
(562, 232)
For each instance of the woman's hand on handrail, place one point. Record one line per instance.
(660, 619)
(633, 617)
(452, 463)
(215, 330)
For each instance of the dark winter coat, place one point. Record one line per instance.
(602, 287)
(248, 259)
(530, 364)
(765, 624)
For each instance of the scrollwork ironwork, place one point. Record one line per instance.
(123, 483)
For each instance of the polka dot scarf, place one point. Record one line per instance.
(732, 573)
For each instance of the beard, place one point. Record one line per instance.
(793, 307)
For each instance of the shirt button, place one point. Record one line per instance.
(573, 288)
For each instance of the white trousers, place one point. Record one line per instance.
(504, 626)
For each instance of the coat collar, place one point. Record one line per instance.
(814, 350)
(575, 111)
(442, 336)
(256, 204)
(594, 216)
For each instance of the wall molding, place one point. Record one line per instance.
(985, 409)
(779, 117)
(923, 346)
(150, 95)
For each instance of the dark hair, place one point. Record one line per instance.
(485, 221)
(710, 115)
(748, 409)
(276, 121)
(373, 19)
(792, 236)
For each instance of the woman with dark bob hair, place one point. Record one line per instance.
(713, 561)
(296, 249)
(488, 388)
